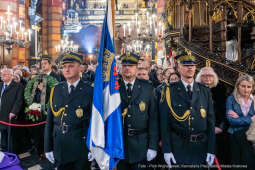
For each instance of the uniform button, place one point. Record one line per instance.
(192, 118)
(192, 129)
(64, 123)
(129, 106)
(129, 115)
(180, 105)
(129, 125)
(190, 108)
(65, 114)
(66, 105)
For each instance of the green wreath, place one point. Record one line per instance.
(29, 93)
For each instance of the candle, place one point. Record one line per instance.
(1, 21)
(124, 28)
(136, 18)
(20, 24)
(29, 35)
(25, 36)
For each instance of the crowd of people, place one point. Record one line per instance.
(170, 116)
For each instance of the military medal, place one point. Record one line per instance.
(142, 106)
(79, 112)
(203, 113)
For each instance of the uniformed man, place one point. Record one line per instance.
(68, 118)
(140, 120)
(187, 119)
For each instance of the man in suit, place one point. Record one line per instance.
(68, 118)
(47, 67)
(11, 101)
(140, 122)
(187, 119)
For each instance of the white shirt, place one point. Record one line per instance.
(74, 84)
(132, 84)
(186, 84)
(48, 73)
(7, 83)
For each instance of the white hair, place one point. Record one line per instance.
(19, 72)
(210, 69)
(8, 70)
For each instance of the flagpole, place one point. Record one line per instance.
(113, 18)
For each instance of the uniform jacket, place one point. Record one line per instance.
(201, 98)
(142, 114)
(70, 145)
(12, 101)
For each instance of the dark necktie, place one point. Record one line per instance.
(72, 89)
(189, 91)
(129, 91)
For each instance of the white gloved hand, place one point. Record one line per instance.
(168, 158)
(210, 159)
(90, 157)
(50, 156)
(151, 154)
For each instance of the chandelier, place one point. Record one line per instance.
(13, 32)
(66, 46)
(144, 29)
(71, 22)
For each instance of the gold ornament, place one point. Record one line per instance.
(142, 106)
(79, 112)
(203, 113)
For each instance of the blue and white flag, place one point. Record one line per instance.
(105, 134)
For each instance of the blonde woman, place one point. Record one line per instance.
(240, 113)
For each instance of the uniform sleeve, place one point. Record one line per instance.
(211, 124)
(48, 131)
(153, 122)
(165, 130)
(241, 121)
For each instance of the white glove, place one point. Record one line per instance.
(90, 157)
(50, 156)
(151, 154)
(168, 158)
(210, 159)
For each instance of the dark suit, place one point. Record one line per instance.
(190, 139)
(65, 134)
(140, 123)
(11, 102)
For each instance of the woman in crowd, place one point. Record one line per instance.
(240, 113)
(208, 77)
(174, 77)
(166, 74)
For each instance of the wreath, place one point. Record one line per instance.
(35, 111)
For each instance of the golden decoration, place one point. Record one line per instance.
(124, 113)
(203, 113)
(79, 112)
(142, 106)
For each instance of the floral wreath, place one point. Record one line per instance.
(34, 110)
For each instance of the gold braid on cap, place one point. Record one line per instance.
(72, 57)
(182, 118)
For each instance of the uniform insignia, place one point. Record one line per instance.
(203, 113)
(79, 112)
(124, 113)
(142, 106)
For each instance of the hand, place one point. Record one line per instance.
(50, 156)
(151, 154)
(210, 159)
(168, 158)
(218, 130)
(233, 114)
(90, 157)
(253, 118)
(40, 86)
(11, 115)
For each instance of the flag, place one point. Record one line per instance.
(105, 134)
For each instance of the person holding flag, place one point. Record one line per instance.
(105, 136)
(139, 113)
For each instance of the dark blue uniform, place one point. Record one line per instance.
(187, 126)
(67, 125)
